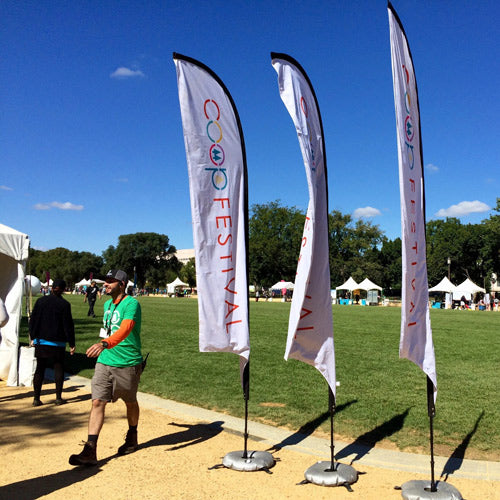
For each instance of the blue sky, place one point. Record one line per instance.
(91, 140)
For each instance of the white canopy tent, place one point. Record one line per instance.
(283, 284)
(366, 284)
(350, 285)
(83, 282)
(468, 289)
(177, 283)
(445, 285)
(14, 248)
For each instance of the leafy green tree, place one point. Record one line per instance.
(491, 245)
(275, 233)
(188, 273)
(390, 260)
(65, 264)
(354, 249)
(149, 254)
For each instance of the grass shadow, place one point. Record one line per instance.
(457, 457)
(191, 435)
(308, 428)
(364, 443)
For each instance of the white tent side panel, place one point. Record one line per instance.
(14, 248)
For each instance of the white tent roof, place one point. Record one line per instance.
(177, 282)
(82, 282)
(14, 247)
(283, 284)
(366, 284)
(13, 243)
(445, 285)
(468, 287)
(350, 285)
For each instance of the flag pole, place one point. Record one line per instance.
(416, 341)
(207, 108)
(431, 411)
(246, 396)
(332, 408)
(312, 286)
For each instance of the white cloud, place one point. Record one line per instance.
(6, 188)
(432, 168)
(463, 208)
(366, 212)
(123, 73)
(122, 179)
(56, 204)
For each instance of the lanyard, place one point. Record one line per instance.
(110, 317)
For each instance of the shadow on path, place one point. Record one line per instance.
(457, 457)
(40, 421)
(364, 443)
(308, 428)
(45, 392)
(193, 434)
(37, 487)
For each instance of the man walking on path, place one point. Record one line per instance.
(118, 368)
(51, 327)
(91, 297)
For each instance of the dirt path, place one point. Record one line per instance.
(172, 462)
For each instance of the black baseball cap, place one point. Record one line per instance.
(59, 284)
(118, 275)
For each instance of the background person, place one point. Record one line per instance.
(118, 368)
(91, 296)
(51, 327)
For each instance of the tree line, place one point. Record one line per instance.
(360, 249)
(148, 256)
(357, 248)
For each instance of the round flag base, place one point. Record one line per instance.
(320, 473)
(255, 460)
(421, 490)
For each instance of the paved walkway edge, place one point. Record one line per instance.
(320, 448)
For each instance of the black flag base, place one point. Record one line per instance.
(253, 461)
(421, 490)
(322, 474)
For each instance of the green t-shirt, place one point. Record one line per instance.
(128, 351)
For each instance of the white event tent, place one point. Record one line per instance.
(445, 285)
(176, 283)
(366, 284)
(14, 248)
(283, 284)
(350, 285)
(468, 289)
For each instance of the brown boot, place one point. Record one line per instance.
(130, 444)
(87, 456)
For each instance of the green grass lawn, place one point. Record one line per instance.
(380, 397)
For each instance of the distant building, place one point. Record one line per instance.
(184, 255)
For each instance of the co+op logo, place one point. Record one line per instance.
(216, 152)
(303, 107)
(409, 129)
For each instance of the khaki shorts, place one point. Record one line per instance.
(110, 383)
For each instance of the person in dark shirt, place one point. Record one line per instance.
(91, 296)
(51, 327)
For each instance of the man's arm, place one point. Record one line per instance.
(126, 326)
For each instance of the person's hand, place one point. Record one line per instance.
(72, 350)
(94, 350)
